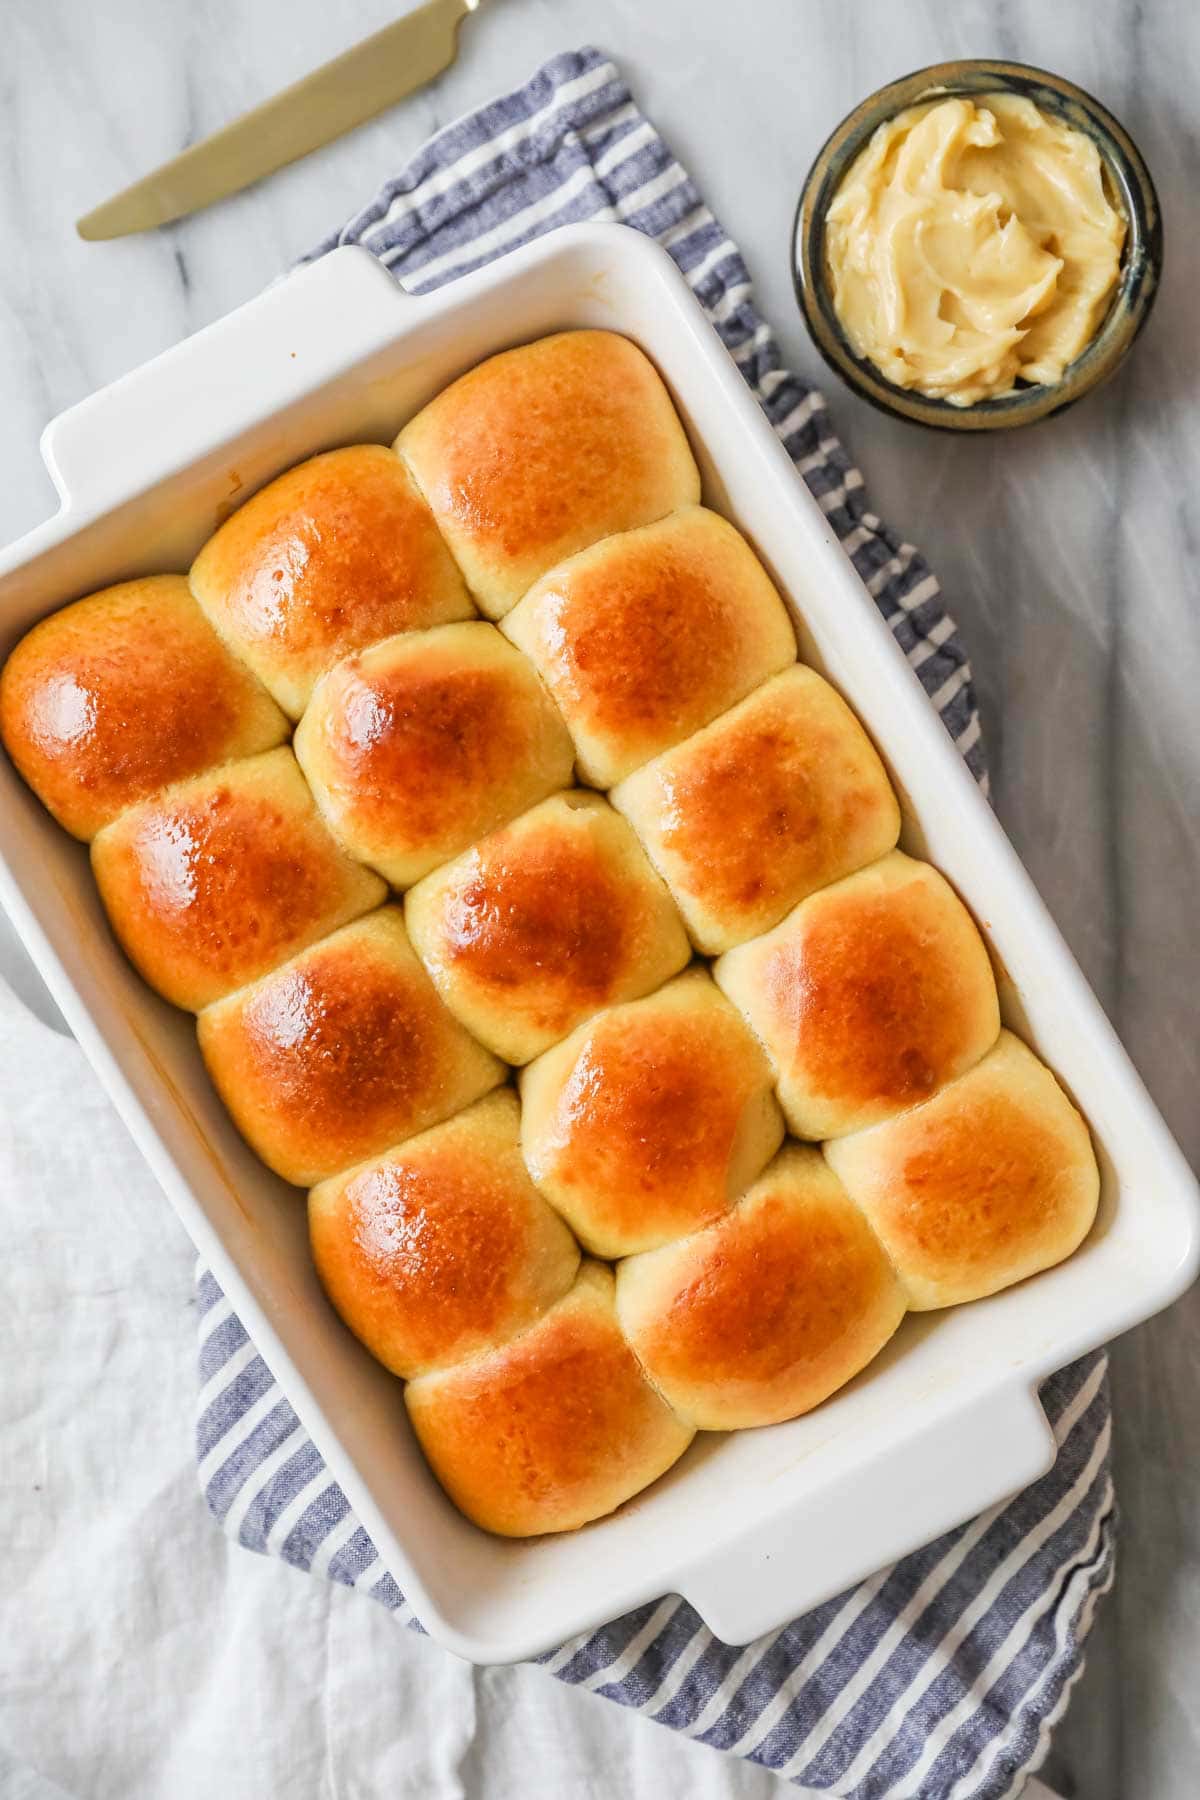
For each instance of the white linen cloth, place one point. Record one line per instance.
(143, 1656)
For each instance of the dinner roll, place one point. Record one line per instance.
(540, 451)
(427, 741)
(222, 877)
(777, 798)
(765, 1313)
(110, 699)
(441, 1248)
(869, 995)
(552, 1429)
(331, 556)
(341, 1052)
(651, 1118)
(647, 636)
(545, 922)
(989, 1181)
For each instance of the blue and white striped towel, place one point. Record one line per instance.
(938, 1679)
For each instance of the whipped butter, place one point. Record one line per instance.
(973, 244)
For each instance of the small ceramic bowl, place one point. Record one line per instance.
(1141, 260)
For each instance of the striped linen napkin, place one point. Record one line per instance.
(939, 1678)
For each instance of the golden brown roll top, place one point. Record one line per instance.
(779, 797)
(545, 922)
(765, 1313)
(218, 880)
(870, 995)
(442, 1248)
(991, 1180)
(552, 1429)
(333, 555)
(646, 637)
(122, 693)
(426, 742)
(341, 1052)
(650, 1119)
(542, 450)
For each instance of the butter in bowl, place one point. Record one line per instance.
(977, 245)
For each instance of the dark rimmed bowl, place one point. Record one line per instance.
(1141, 260)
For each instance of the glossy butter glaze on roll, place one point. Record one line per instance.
(553, 1429)
(871, 993)
(647, 636)
(778, 797)
(341, 1052)
(122, 693)
(767, 1312)
(988, 1182)
(543, 450)
(442, 1248)
(333, 555)
(650, 1119)
(545, 922)
(220, 879)
(428, 741)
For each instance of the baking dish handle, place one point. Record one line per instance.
(311, 327)
(944, 1474)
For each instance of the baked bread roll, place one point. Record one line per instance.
(422, 744)
(122, 693)
(779, 797)
(645, 637)
(870, 994)
(650, 1119)
(330, 557)
(540, 451)
(989, 1181)
(219, 879)
(545, 922)
(765, 1313)
(442, 1248)
(341, 1052)
(556, 1427)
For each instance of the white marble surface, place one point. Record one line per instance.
(1069, 554)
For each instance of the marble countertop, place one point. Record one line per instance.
(1066, 553)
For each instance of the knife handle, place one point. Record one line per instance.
(199, 406)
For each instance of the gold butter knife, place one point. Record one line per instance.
(313, 111)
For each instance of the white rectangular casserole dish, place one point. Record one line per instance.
(751, 1527)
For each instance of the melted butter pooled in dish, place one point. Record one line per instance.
(973, 245)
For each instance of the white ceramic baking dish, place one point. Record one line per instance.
(754, 1526)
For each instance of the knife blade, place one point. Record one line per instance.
(313, 111)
